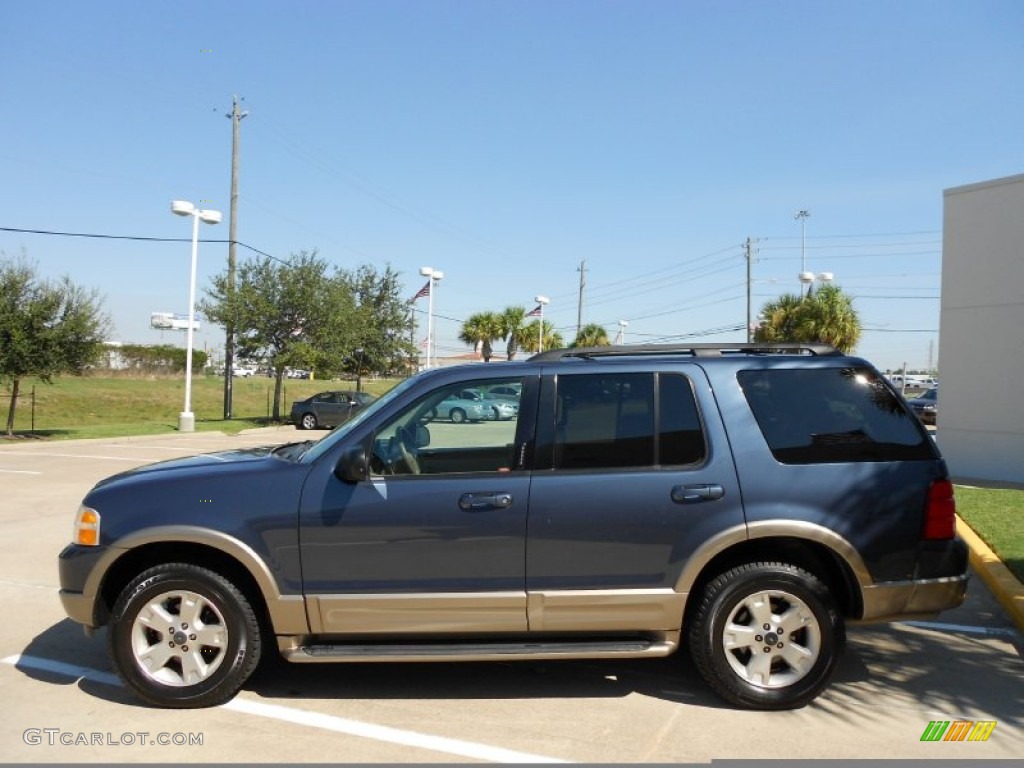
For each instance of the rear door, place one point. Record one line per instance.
(633, 475)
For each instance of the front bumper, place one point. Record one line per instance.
(78, 583)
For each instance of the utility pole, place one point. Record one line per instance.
(229, 343)
(583, 284)
(750, 260)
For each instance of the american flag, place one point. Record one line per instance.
(424, 291)
(536, 312)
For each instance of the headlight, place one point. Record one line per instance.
(87, 527)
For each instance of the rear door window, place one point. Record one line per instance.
(626, 420)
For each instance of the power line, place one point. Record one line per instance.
(141, 238)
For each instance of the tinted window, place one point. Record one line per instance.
(680, 438)
(609, 420)
(826, 415)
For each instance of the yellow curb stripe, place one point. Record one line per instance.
(1004, 585)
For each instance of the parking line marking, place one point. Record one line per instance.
(19, 472)
(965, 628)
(10, 583)
(135, 459)
(310, 719)
(386, 733)
(62, 668)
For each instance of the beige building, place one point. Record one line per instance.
(981, 343)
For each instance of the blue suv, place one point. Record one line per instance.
(743, 501)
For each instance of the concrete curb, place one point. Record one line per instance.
(1004, 585)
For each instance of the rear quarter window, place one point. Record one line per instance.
(827, 415)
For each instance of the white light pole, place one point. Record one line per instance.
(622, 331)
(541, 300)
(187, 419)
(432, 275)
(802, 216)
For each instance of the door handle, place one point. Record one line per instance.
(484, 502)
(697, 493)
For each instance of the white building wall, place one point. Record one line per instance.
(981, 343)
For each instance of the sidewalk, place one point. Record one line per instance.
(1004, 585)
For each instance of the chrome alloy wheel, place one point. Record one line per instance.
(179, 638)
(771, 639)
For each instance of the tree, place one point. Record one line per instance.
(46, 328)
(530, 336)
(591, 335)
(482, 328)
(513, 325)
(824, 316)
(290, 314)
(382, 321)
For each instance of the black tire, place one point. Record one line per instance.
(308, 421)
(457, 415)
(783, 667)
(197, 605)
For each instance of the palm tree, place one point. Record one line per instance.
(591, 335)
(825, 316)
(482, 328)
(513, 322)
(829, 317)
(530, 337)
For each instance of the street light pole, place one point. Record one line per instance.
(622, 331)
(802, 216)
(187, 419)
(541, 300)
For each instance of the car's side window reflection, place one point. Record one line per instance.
(468, 427)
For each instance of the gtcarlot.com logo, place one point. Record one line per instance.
(56, 737)
(958, 730)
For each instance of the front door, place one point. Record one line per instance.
(433, 541)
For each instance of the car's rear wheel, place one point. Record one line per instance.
(308, 421)
(457, 415)
(183, 636)
(766, 636)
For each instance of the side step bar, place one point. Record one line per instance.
(478, 651)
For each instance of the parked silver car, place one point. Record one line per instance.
(466, 405)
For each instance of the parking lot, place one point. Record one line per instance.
(65, 705)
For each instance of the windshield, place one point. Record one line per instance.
(342, 430)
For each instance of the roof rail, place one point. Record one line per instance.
(693, 350)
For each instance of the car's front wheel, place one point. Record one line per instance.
(766, 636)
(308, 421)
(183, 636)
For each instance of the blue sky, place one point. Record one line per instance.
(505, 142)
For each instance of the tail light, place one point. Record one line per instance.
(940, 514)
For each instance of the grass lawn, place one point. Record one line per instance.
(94, 406)
(997, 516)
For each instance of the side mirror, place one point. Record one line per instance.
(422, 436)
(352, 467)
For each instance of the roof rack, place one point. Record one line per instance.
(693, 350)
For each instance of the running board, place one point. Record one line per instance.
(477, 651)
